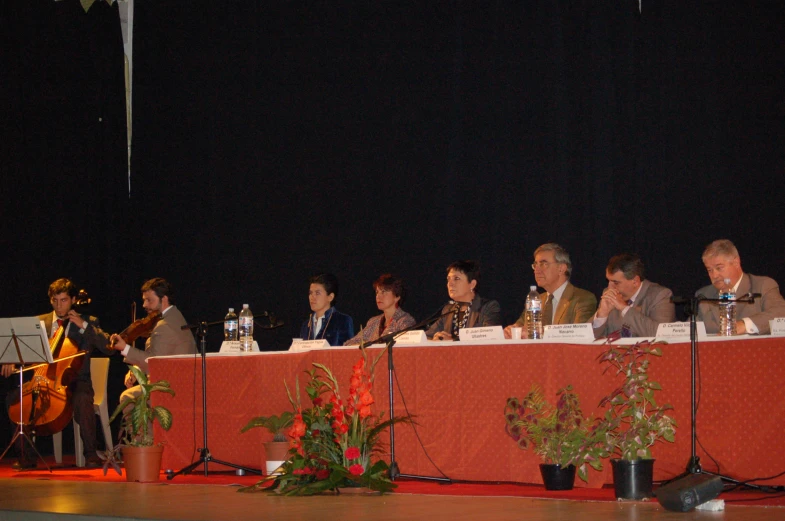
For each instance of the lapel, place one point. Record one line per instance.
(641, 299)
(745, 286)
(475, 314)
(48, 323)
(564, 303)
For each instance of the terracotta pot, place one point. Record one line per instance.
(276, 453)
(142, 464)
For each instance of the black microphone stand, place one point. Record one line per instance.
(691, 307)
(390, 339)
(204, 453)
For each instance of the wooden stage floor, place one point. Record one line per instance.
(46, 499)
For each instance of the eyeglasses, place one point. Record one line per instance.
(543, 265)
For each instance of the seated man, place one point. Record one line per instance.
(631, 301)
(562, 303)
(722, 261)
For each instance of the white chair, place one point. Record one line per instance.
(99, 371)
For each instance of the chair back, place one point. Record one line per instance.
(99, 370)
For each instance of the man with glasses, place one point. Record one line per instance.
(631, 303)
(562, 303)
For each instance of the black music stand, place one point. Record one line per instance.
(204, 453)
(30, 343)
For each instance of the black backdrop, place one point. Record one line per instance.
(274, 141)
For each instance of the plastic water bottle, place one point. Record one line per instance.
(246, 328)
(230, 326)
(533, 314)
(727, 310)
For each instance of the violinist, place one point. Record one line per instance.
(84, 332)
(166, 337)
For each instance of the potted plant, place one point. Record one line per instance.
(559, 434)
(141, 455)
(634, 420)
(277, 449)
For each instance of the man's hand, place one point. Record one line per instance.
(76, 319)
(117, 342)
(130, 380)
(7, 370)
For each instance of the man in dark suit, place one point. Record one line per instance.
(167, 337)
(562, 303)
(84, 332)
(632, 301)
(722, 262)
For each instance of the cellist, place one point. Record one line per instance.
(84, 332)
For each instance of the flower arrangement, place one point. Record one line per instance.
(634, 421)
(559, 435)
(335, 443)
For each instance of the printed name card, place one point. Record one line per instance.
(233, 346)
(412, 337)
(572, 332)
(298, 344)
(777, 326)
(679, 331)
(481, 333)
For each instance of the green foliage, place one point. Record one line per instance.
(558, 434)
(634, 420)
(137, 425)
(274, 424)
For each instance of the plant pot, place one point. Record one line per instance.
(276, 453)
(632, 479)
(556, 477)
(142, 464)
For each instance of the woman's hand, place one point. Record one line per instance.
(442, 335)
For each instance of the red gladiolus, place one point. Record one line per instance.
(317, 401)
(355, 382)
(352, 453)
(365, 411)
(356, 470)
(366, 398)
(349, 410)
(359, 366)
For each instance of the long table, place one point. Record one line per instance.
(457, 394)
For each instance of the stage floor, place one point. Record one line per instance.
(47, 499)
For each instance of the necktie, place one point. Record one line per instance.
(547, 311)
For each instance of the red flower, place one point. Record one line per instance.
(355, 382)
(322, 474)
(356, 470)
(352, 453)
(349, 410)
(365, 411)
(366, 398)
(317, 401)
(359, 366)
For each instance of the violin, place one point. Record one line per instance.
(45, 398)
(140, 328)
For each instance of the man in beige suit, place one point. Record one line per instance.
(632, 301)
(562, 303)
(167, 337)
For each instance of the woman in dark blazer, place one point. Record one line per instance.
(325, 321)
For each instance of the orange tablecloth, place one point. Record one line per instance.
(458, 392)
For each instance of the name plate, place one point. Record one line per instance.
(679, 331)
(572, 332)
(412, 337)
(777, 326)
(481, 333)
(298, 344)
(233, 346)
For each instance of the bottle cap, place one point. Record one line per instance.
(231, 310)
(245, 306)
(533, 288)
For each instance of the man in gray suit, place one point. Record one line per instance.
(631, 301)
(722, 262)
(562, 303)
(166, 339)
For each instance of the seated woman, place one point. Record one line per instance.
(326, 322)
(468, 308)
(390, 294)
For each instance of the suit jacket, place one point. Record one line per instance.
(575, 306)
(651, 308)
(770, 305)
(166, 339)
(400, 321)
(484, 313)
(339, 328)
(88, 339)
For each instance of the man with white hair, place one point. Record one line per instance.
(722, 262)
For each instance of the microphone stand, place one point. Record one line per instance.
(390, 339)
(204, 453)
(691, 307)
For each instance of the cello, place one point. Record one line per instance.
(45, 398)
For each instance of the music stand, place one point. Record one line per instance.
(23, 340)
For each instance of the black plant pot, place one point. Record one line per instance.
(556, 477)
(633, 479)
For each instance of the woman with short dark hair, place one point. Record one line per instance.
(325, 321)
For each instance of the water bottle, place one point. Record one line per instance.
(727, 310)
(246, 328)
(230, 326)
(533, 314)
